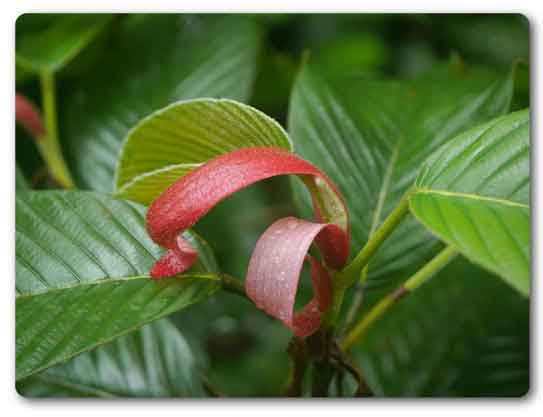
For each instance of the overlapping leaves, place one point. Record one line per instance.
(81, 276)
(371, 137)
(198, 57)
(154, 361)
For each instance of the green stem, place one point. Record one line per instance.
(416, 280)
(330, 317)
(349, 275)
(233, 285)
(49, 145)
(351, 272)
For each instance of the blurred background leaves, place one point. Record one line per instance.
(463, 334)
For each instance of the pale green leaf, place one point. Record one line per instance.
(56, 40)
(371, 137)
(474, 194)
(186, 57)
(81, 276)
(154, 361)
(174, 140)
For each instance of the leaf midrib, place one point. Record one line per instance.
(385, 185)
(471, 196)
(102, 342)
(105, 281)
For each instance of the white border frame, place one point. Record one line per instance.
(15, 405)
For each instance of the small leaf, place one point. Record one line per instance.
(274, 274)
(372, 136)
(154, 361)
(81, 276)
(474, 194)
(54, 42)
(173, 141)
(199, 56)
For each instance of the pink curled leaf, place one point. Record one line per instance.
(192, 196)
(274, 274)
(28, 116)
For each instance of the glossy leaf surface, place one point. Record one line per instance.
(474, 194)
(371, 138)
(81, 276)
(198, 57)
(154, 361)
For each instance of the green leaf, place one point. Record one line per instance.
(51, 41)
(20, 181)
(81, 276)
(154, 361)
(474, 194)
(174, 140)
(198, 57)
(464, 333)
(371, 138)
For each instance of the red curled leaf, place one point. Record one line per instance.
(274, 273)
(178, 259)
(191, 197)
(28, 116)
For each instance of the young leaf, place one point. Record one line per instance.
(371, 137)
(464, 333)
(474, 193)
(173, 141)
(154, 361)
(191, 197)
(51, 41)
(199, 56)
(81, 276)
(274, 274)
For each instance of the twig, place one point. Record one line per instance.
(233, 285)
(351, 272)
(420, 277)
(49, 145)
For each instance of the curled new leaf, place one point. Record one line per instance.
(191, 197)
(274, 272)
(28, 116)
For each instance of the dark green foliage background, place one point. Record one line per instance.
(465, 317)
